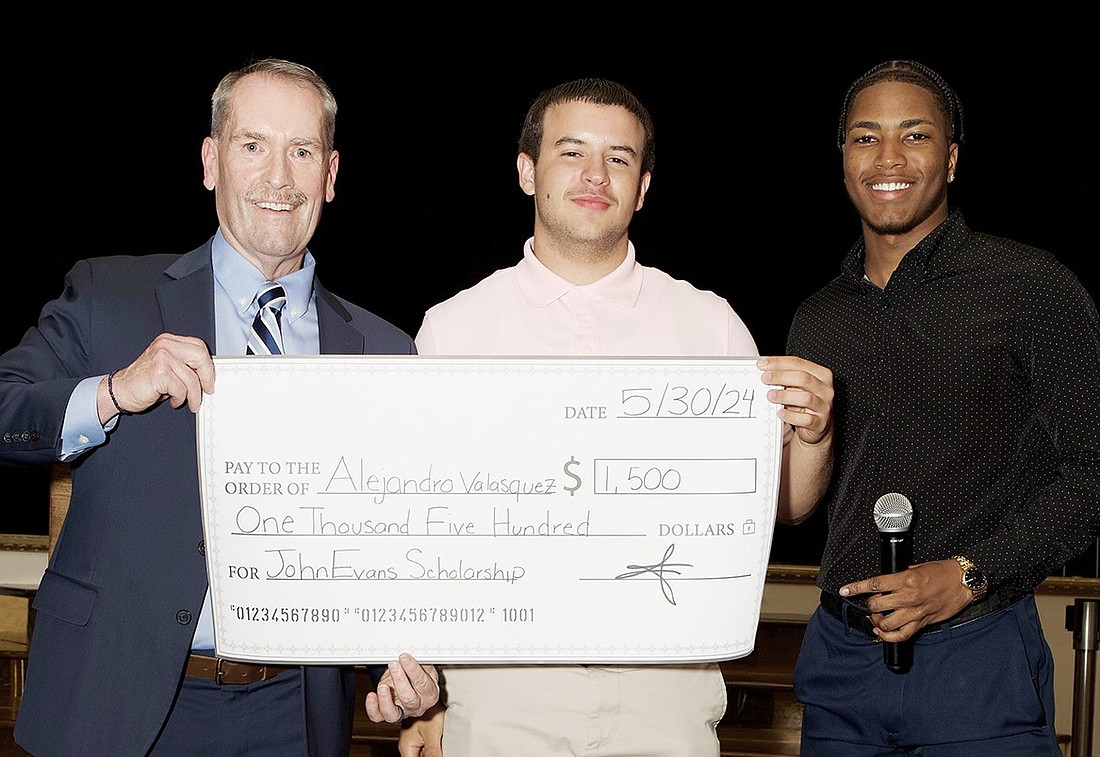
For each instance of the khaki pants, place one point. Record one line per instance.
(573, 710)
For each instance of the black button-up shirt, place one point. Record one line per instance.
(971, 385)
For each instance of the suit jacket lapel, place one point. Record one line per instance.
(192, 282)
(338, 336)
(187, 301)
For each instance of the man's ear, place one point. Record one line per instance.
(643, 187)
(209, 163)
(330, 179)
(525, 167)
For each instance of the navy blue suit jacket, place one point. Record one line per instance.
(117, 607)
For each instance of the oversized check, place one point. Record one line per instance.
(594, 510)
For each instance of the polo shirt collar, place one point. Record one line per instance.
(541, 286)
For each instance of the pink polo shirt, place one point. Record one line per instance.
(634, 310)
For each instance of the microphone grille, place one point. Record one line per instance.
(893, 512)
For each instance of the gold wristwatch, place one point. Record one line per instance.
(973, 578)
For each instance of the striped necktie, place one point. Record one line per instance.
(266, 335)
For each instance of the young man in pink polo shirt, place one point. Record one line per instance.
(586, 157)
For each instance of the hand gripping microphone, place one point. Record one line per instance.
(893, 514)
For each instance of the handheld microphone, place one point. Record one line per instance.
(893, 514)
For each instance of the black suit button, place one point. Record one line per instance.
(7, 438)
(202, 548)
(35, 436)
(183, 617)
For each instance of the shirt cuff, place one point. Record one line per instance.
(82, 430)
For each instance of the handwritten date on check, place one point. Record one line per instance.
(487, 510)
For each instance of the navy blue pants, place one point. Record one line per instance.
(981, 689)
(262, 719)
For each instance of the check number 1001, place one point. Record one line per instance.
(675, 476)
(674, 401)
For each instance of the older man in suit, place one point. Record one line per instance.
(122, 655)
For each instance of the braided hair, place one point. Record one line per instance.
(910, 72)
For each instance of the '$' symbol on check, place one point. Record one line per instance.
(571, 488)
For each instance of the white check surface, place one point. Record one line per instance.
(596, 510)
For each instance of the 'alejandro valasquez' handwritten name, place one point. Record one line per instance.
(347, 478)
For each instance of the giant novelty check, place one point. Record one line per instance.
(494, 510)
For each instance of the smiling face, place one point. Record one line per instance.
(269, 171)
(898, 159)
(587, 182)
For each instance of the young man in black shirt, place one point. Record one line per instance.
(966, 370)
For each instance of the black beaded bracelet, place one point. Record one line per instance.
(111, 391)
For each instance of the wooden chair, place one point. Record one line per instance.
(61, 489)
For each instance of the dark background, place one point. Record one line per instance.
(105, 113)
